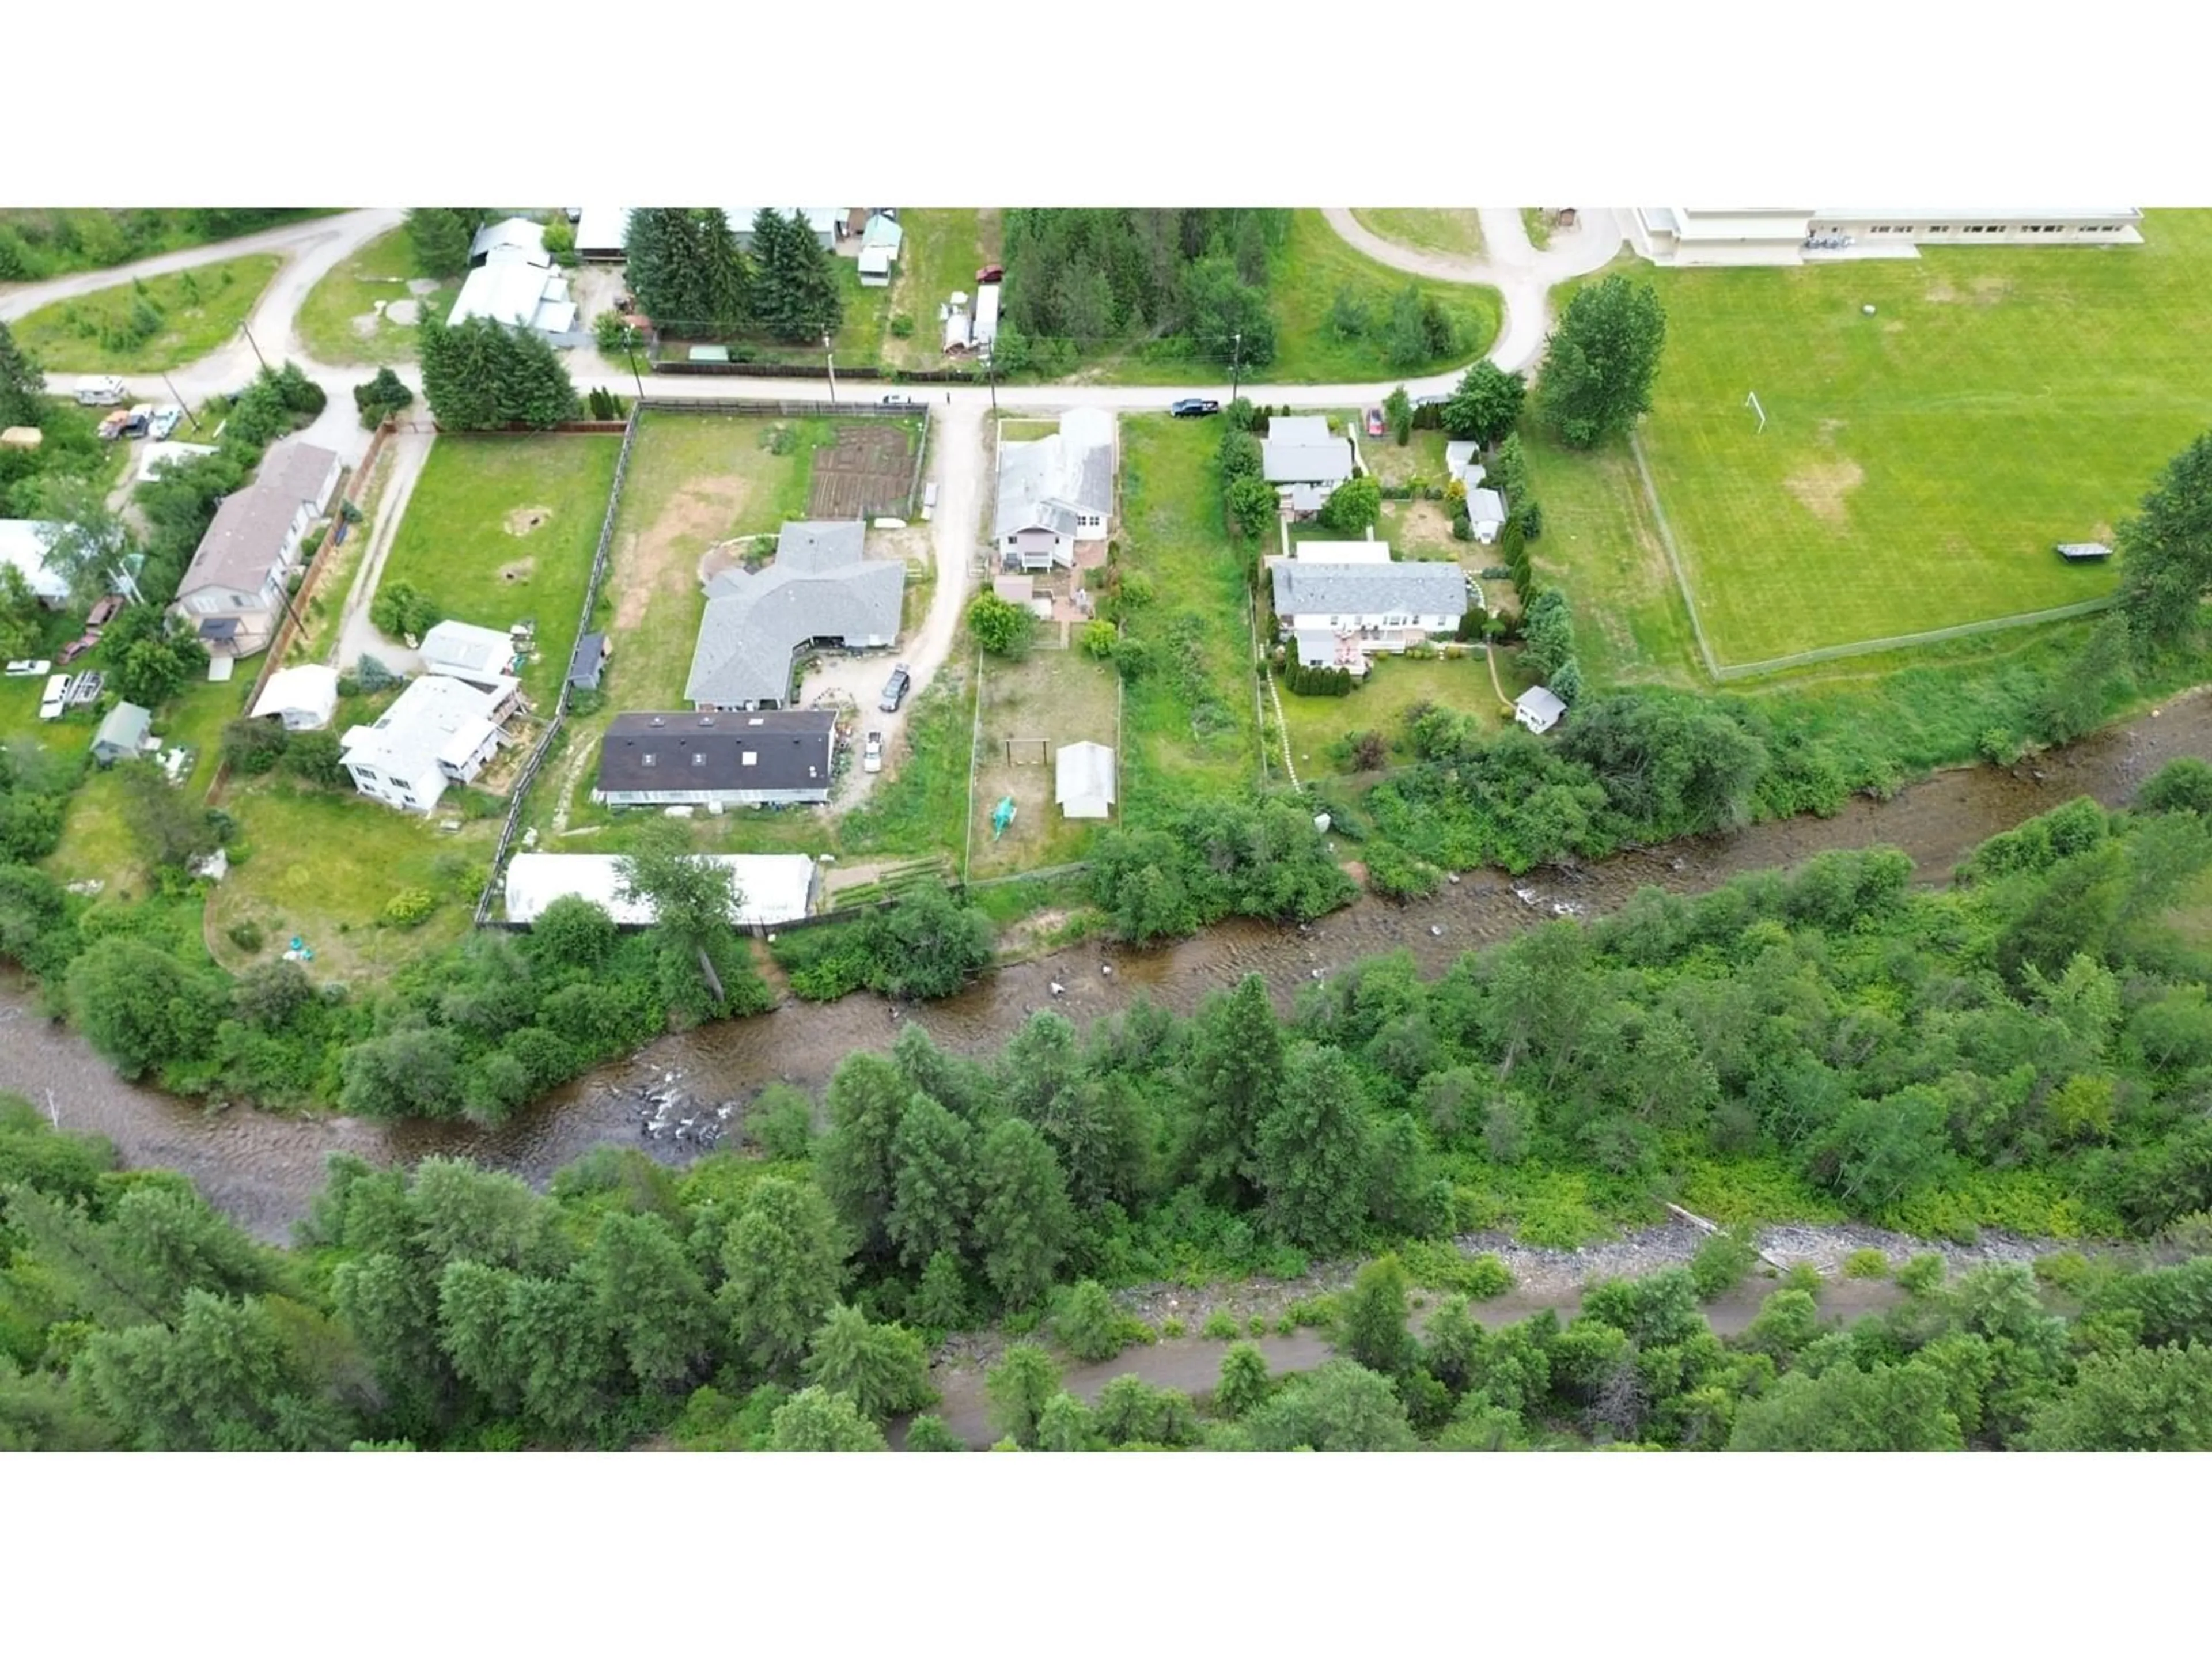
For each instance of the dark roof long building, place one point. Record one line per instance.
(780, 754)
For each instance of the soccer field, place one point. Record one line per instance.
(1919, 464)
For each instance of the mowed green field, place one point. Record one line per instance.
(1919, 464)
(500, 528)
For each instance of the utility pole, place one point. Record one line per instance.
(991, 375)
(258, 357)
(629, 349)
(832, 357)
(180, 402)
(1236, 363)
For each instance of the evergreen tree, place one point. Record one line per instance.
(853, 1163)
(783, 1264)
(1023, 1222)
(795, 297)
(933, 1182)
(23, 384)
(1244, 1380)
(1235, 1075)
(484, 376)
(882, 1368)
(724, 279)
(440, 238)
(1067, 1424)
(940, 1300)
(1372, 1322)
(1313, 1152)
(1019, 1387)
(650, 1297)
(816, 1420)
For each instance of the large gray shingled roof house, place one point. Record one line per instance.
(819, 591)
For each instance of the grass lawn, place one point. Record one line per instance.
(1601, 546)
(1063, 696)
(943, 250)
(918, 810)
(1314, 264)
(200, 309)
(1538, 226)
(455, 543)
(322, 865)
(1433, 230)
(1918, 463)
(338, 320)
(96, 840)
(1421, 460)
(1393, 685)
(695, 480)
(858, 342)
(99, 237)
(1189, 726)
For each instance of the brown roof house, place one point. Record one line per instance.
(233, 591)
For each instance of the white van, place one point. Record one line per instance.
(100, 389)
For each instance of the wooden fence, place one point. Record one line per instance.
(529, 773)
(818, 372)
(287, 625)
(790, 408)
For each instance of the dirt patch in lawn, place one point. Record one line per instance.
(524, 519)
(518, 570)
(654, 562)
(1987, 290)
(1940, 293)
(1418, 527)
(1825, 488)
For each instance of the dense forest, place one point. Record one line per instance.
(42, 242)
(1192, 280)
(2030, 1048)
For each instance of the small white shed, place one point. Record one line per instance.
(304, 697)
(1485, 514)
(1538, 709)
(1083, 783)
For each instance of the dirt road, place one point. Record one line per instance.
(356, 633)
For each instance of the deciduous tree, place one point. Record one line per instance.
(882, 1368)
(1018, 1388)
(2165, 555)
(817, 1420)
(1602, 360)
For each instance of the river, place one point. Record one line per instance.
(263, 1168)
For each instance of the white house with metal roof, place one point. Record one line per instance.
(479, 655)
(519, 292)
(821, 590)
(440, 731)
(1054, 492)
(510, 239)
(1485, 514)
(1301, 450)
(1539, 708)
(772, 888)
(303, 697)
(1335, 605)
